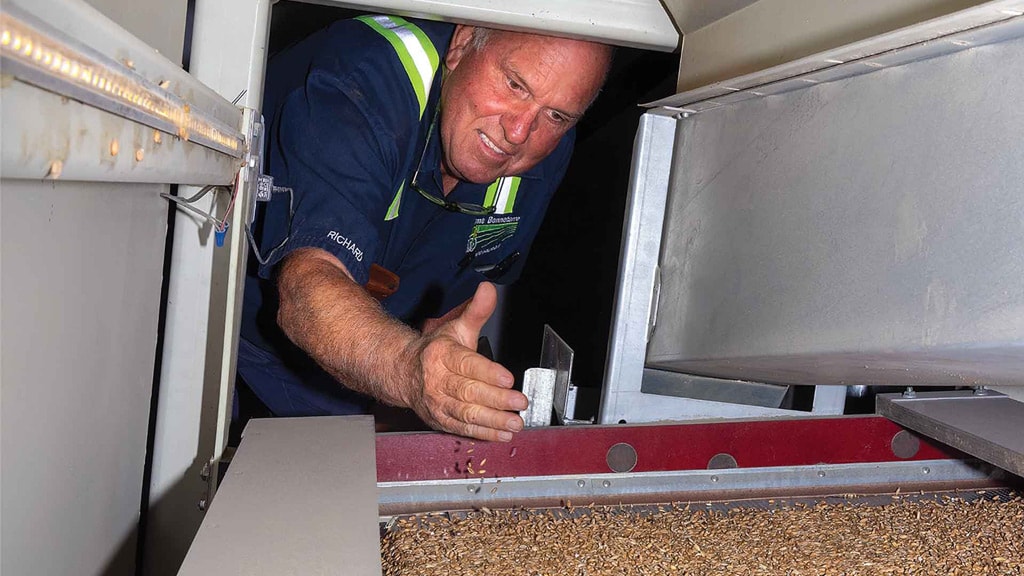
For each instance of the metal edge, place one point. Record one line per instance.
(397, 498)
(913, 43)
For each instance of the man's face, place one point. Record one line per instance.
(505, 106)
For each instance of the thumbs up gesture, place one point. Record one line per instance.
(462, 392)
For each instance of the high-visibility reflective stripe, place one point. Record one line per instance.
(510, 198)
(414, 49)
(505, 199)
(492, 191)
(393, 209)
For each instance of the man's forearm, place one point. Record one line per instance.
(344, 329)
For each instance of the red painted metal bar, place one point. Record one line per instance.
(672, 447)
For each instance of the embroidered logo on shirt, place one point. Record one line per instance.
(488, 233)
(348, 244)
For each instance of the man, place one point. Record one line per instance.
(423, 154)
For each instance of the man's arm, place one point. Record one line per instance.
(437, 374)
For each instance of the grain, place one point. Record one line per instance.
(948, 536)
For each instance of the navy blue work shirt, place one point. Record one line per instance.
(344, 131)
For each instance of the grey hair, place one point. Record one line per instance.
(480, 37)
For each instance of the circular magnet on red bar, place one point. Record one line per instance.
(621, 457)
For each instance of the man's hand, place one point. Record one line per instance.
(462, 392)
(437, 373)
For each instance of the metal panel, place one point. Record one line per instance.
(300, 498)
(683, 486)
(566, 450)
(82, 266)
(984, 424)
(645, 205)
(47, 136)
(774, 32)
(952, 33)
(863, 231)
(636, 23)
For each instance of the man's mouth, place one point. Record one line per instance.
(490, 144)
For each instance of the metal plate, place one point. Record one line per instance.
(858, 232)
(989, 426)
(299, 498)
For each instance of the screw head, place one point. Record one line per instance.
(606, 483)
(473, 489)
(821, 473)
(926, 470)
(202, 505)
(581, 483)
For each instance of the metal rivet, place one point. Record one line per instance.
(714, 478)
(473, 489)
(581, 483)
(926, 470)
(202, 504)
(821, 473)
(606, 483)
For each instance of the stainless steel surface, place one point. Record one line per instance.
(557, 355)
(858, 232)
(943, 35)
(637, 23)
(714, 389)
(989, 427)
(651, 487)
(300, 497)
(638, 263)
(638, 293)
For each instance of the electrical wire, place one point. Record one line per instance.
(291, 215)
(219, 224)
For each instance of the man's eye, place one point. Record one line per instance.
(514, 85)
(557, 118)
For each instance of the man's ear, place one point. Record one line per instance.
(460, 45)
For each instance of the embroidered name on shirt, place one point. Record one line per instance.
(348, 244)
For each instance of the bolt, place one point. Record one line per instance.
(926, 470)
(909, 393)
(980, 391)
(202, 505)
(821, 473)
(606, 483)
(473, 489)
(714, 478)
(581, 483)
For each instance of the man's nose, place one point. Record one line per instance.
(518, 123)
